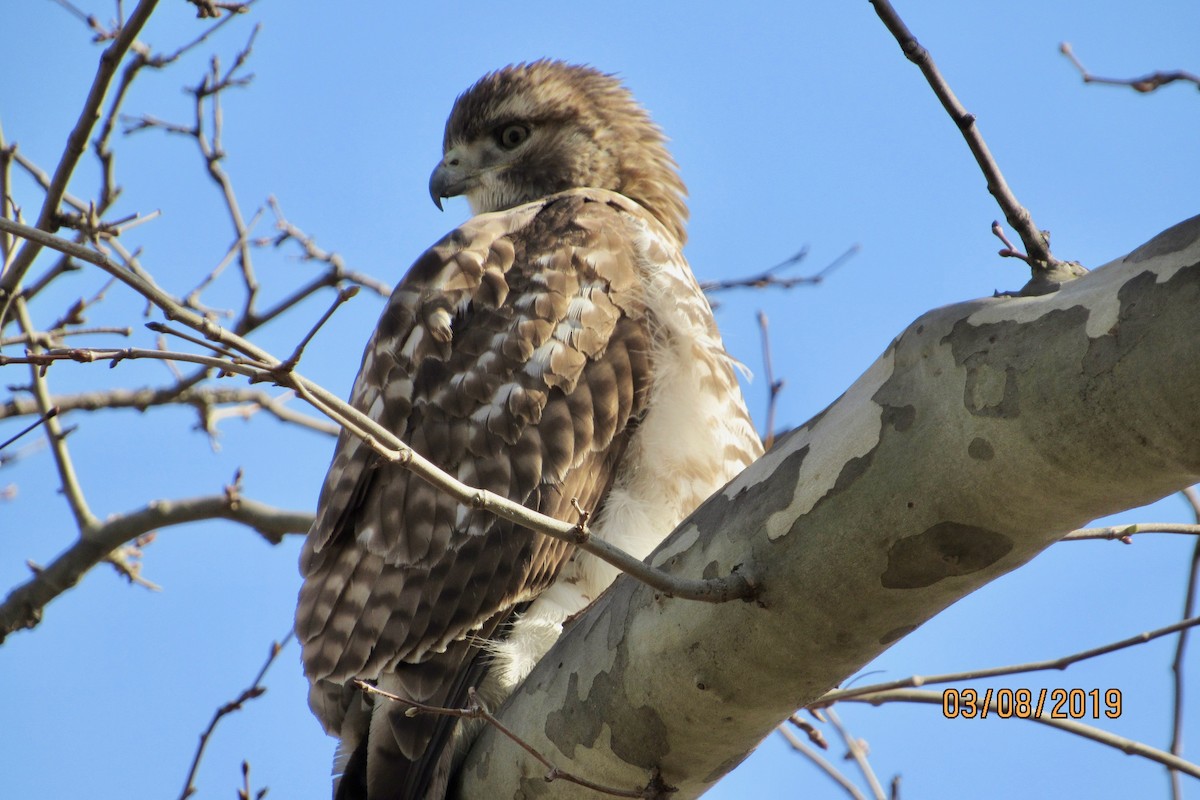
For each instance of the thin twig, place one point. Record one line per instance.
(167, 330)
(858, 753)
(50, 413)
(192, 298)
(1127, 746)
(210, 9)
(291, 361)
(43, 179)
(1177, 663)
(255, 689)
(127, 561)
(245, 792)
(476, 710)
(1046, 268)
(243, 401)
(76, 142)
(312, 252)
(85, 520)
(1144, 84)
(821, 763)
(1060, 663)
(774, 387)
(1121, 533)
(814, 735)
(60, 333)
(768, 279)
(6, 203)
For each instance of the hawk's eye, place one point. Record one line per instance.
(510, 137)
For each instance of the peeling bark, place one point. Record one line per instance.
(984, 432)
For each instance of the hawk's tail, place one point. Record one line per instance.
(411, 756)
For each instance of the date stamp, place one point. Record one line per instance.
(1029, 703)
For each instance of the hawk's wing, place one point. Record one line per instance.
(515, 355)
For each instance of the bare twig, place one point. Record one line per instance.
(856, 751)
(1121, 533)
(1144, 84)
(255, 689)
(1048, 271)
(312, 252)
(1060, 663)
(245, 792)
(85, 520)
(43, 179)
(127, 561)
(476, 710)
(76, 142)
(291, 361)
(24, 605)
(1177, 663)
(207, 136)
(158, 327)
(774, 387)
(51, 412)
(769, 279)
(210, 9)
(6, 202)
(1127, 746)
(821, 763)
(244, 402)
(192, 299)
(49, 336)
(814, 735)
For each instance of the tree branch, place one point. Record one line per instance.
(1177, 663)
(204, 398)
(259, 365)
(24, 604)
(85, 520)
(1060, 663)
(1144, 85)
(1127, 746)
(821, 763)
(896, 501)
(1123, 532)
(255, 689)
(76, 143)
(1048, 271)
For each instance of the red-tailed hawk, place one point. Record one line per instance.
(554, 348)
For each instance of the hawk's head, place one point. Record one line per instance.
(530, 130)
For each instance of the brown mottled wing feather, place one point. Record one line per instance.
(514, 355)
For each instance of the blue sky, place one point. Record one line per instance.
(794, 125)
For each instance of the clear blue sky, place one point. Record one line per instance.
(794, 125)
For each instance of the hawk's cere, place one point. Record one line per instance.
(554, 348)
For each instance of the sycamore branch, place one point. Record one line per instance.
(1048, 271)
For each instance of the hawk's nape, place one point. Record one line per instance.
(555, 350)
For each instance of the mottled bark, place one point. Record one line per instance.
(986, 431)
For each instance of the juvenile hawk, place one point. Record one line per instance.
(555, 347)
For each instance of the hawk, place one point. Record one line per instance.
(556, 350)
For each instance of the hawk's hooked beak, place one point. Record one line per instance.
(451, 178)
